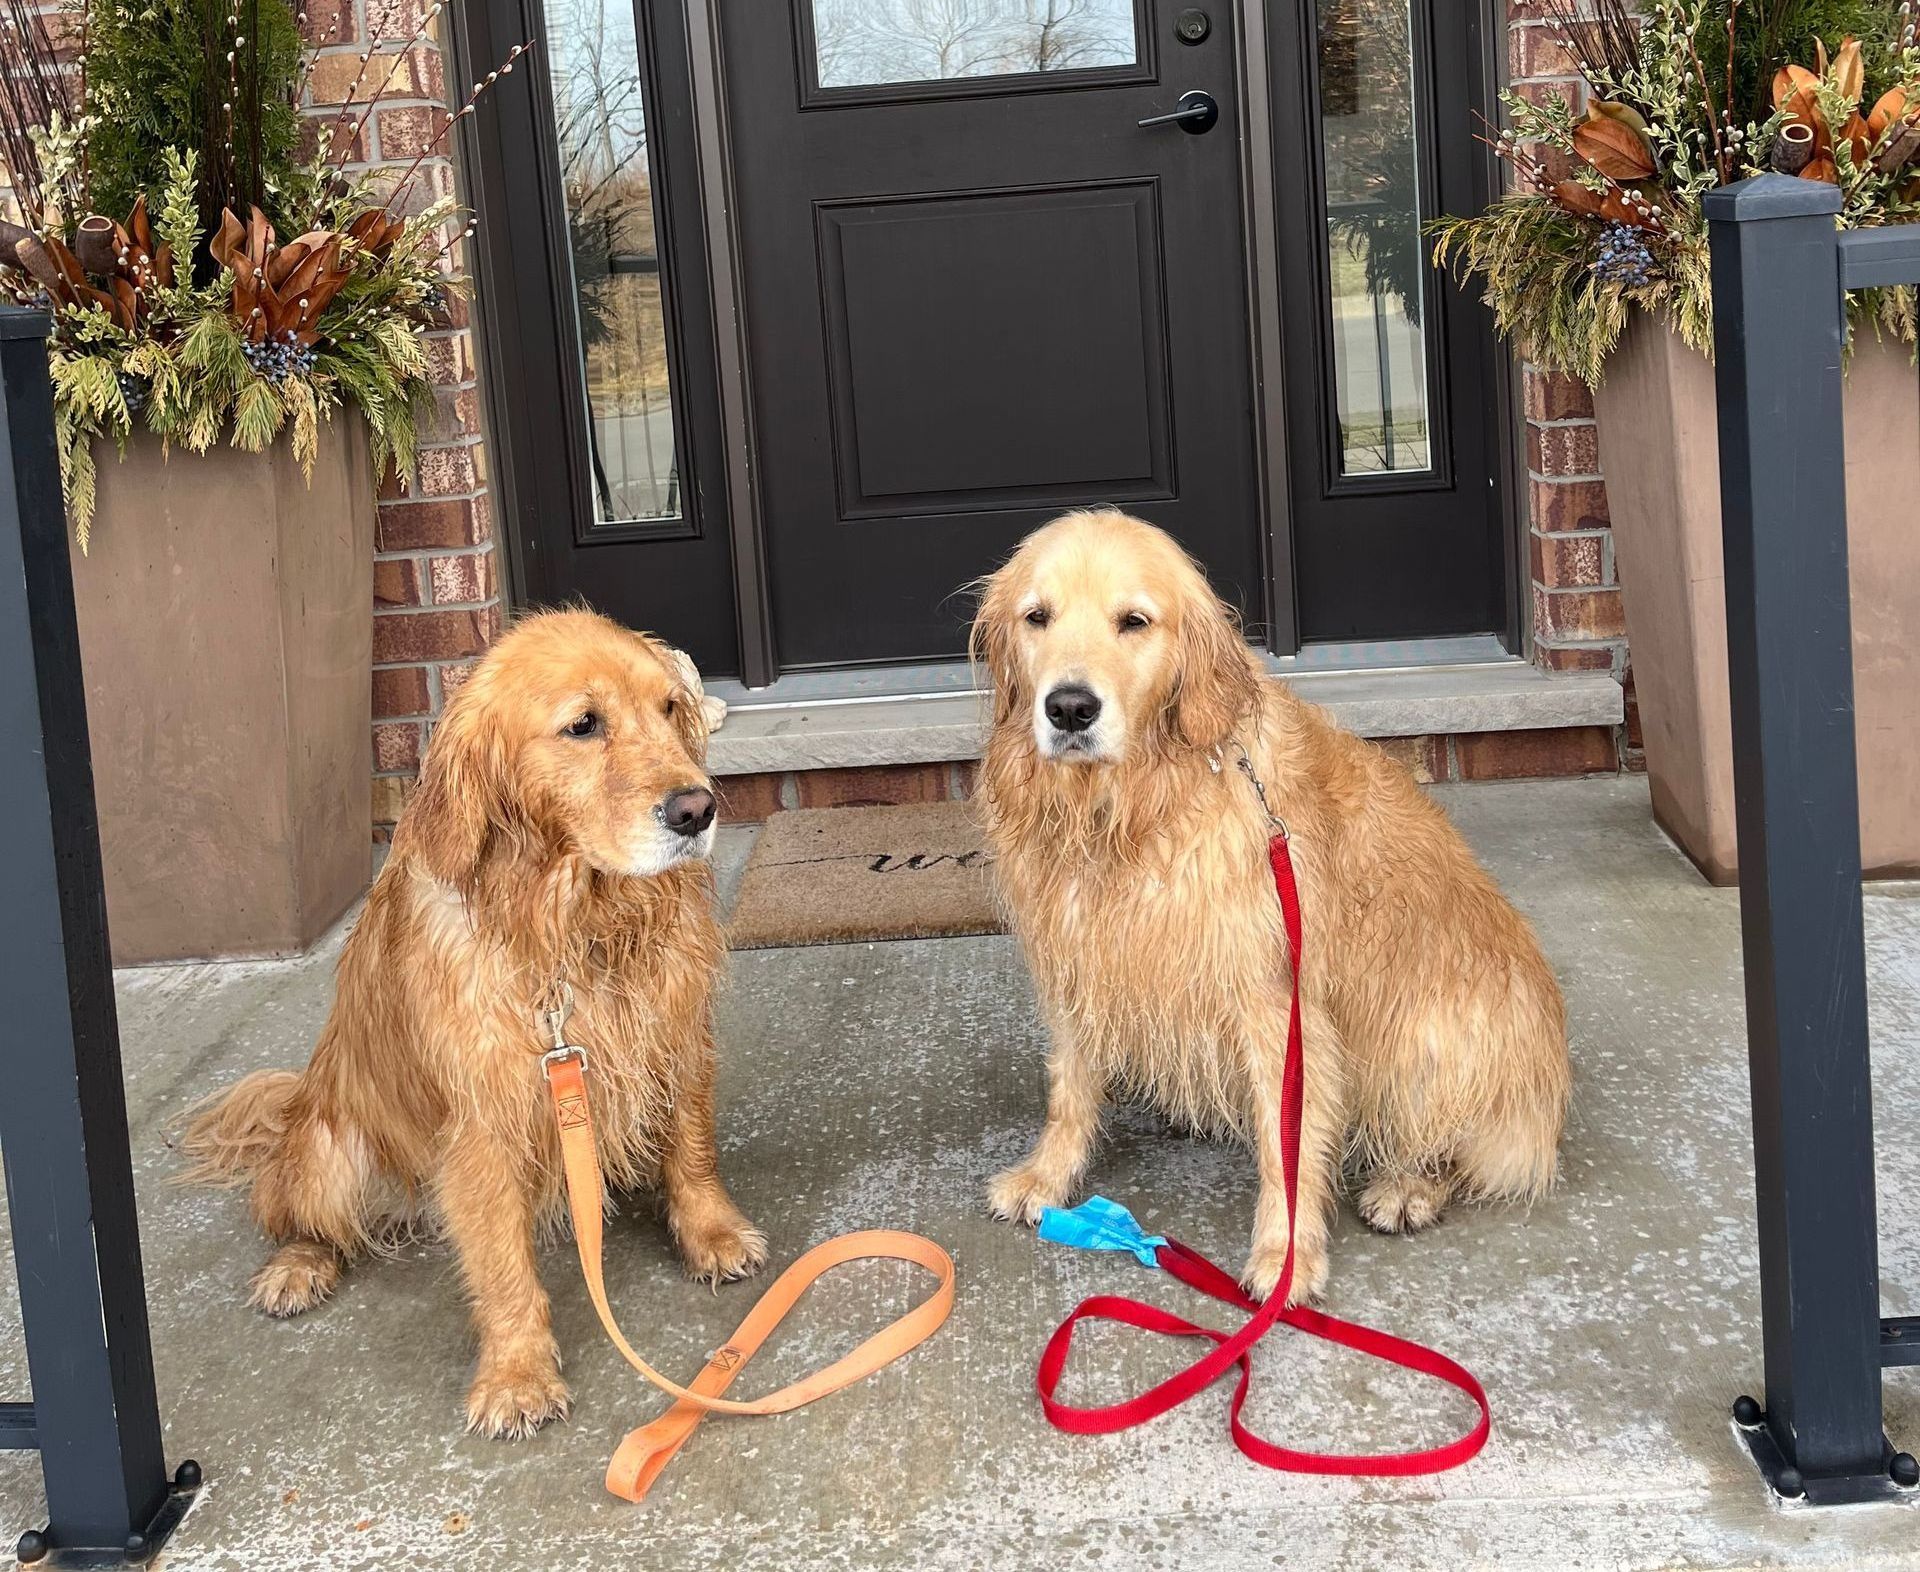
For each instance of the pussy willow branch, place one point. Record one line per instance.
(466, 109)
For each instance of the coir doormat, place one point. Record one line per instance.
(838, 875)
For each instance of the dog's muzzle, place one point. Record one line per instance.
(1068, 723)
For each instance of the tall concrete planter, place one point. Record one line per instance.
(1659, 450)
(226, 632)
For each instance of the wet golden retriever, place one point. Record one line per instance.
(559, 835)
(1131, 852)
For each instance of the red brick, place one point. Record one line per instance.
(1576, 657)
(1567, 504)
(346, 138)
(1582, 615)
(449, 358)
(1426, 757)
(416, 74)
(1534, 50)
(1565, 561)
(401, 690)
(461, 580)
(409, 132)
(395, 21)
(390, 795)
(453, 678)
(749, 799)
(396, 745)
(1550, 396)
(1564, 450)
(400, 637)
(327, 22)
(1542, 94)
(396, 582)
(412, 526)
(1523, 755)
(878, 784)
(451, 471)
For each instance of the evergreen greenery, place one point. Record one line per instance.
(159, 80)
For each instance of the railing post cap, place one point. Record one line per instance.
(1770, 196)
(24, 322)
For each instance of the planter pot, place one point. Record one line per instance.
(1659, 451)
(226, 633)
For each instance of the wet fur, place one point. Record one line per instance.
(424, 1097)
(1435, 1033)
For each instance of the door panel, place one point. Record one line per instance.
(976, 301)
(1013, 296)
(1394, 395)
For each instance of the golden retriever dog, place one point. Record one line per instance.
(1131, 853)
(558, 840)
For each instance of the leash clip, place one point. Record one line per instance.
(561, 1055)
(555, 1018)
(1274, 822)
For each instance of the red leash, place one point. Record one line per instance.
(1195, 1270)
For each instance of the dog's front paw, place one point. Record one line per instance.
(1021, 1194)
(721, 1250)
(512, 1398)
(297, 1277)
(1262, 1273)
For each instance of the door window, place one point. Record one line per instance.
(862, 43)
(1377, 264)
(607, 184)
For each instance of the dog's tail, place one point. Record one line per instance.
(234, 1133)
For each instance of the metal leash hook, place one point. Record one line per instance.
(555, 1018)
(1274, 822)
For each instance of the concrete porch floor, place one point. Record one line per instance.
(881, 1085)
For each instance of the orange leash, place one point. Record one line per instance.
(648, 1450)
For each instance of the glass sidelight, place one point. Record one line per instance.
(1376, 259)
(600, 117)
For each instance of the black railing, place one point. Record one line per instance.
(1780, 267)
(63, 1117)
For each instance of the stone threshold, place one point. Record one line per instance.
(768, 734)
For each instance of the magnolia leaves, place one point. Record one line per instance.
(1613, 140)
(1888, 136)
(279, 290)
(109, 267)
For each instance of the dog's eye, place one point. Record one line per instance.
(1134, 621)
(671, 707)
(1039, 617)
(588, 725)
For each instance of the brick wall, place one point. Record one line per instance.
(436, 589)
(1578, 623)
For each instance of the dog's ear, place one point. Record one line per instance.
(465, 793)
(689, 697)
(1215, 684)
(990, 642)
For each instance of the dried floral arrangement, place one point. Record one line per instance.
(1605, 216)
(154, 173)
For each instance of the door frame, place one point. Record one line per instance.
(718, 387)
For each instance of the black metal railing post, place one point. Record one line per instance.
(1779, 328)
(94, 1417)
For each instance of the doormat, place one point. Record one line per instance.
(842, 875)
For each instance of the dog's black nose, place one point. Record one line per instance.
(1072, 707)
(688, 812)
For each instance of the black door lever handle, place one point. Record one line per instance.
(1196, 113)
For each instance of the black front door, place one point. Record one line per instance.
(979, 293)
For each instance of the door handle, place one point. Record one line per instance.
(1196, 113)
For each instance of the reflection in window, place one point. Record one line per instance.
(860, 42)
(1377, 263)
(608, 186)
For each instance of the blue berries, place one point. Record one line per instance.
(134, 389)
(1625, 258)
(276, 359)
